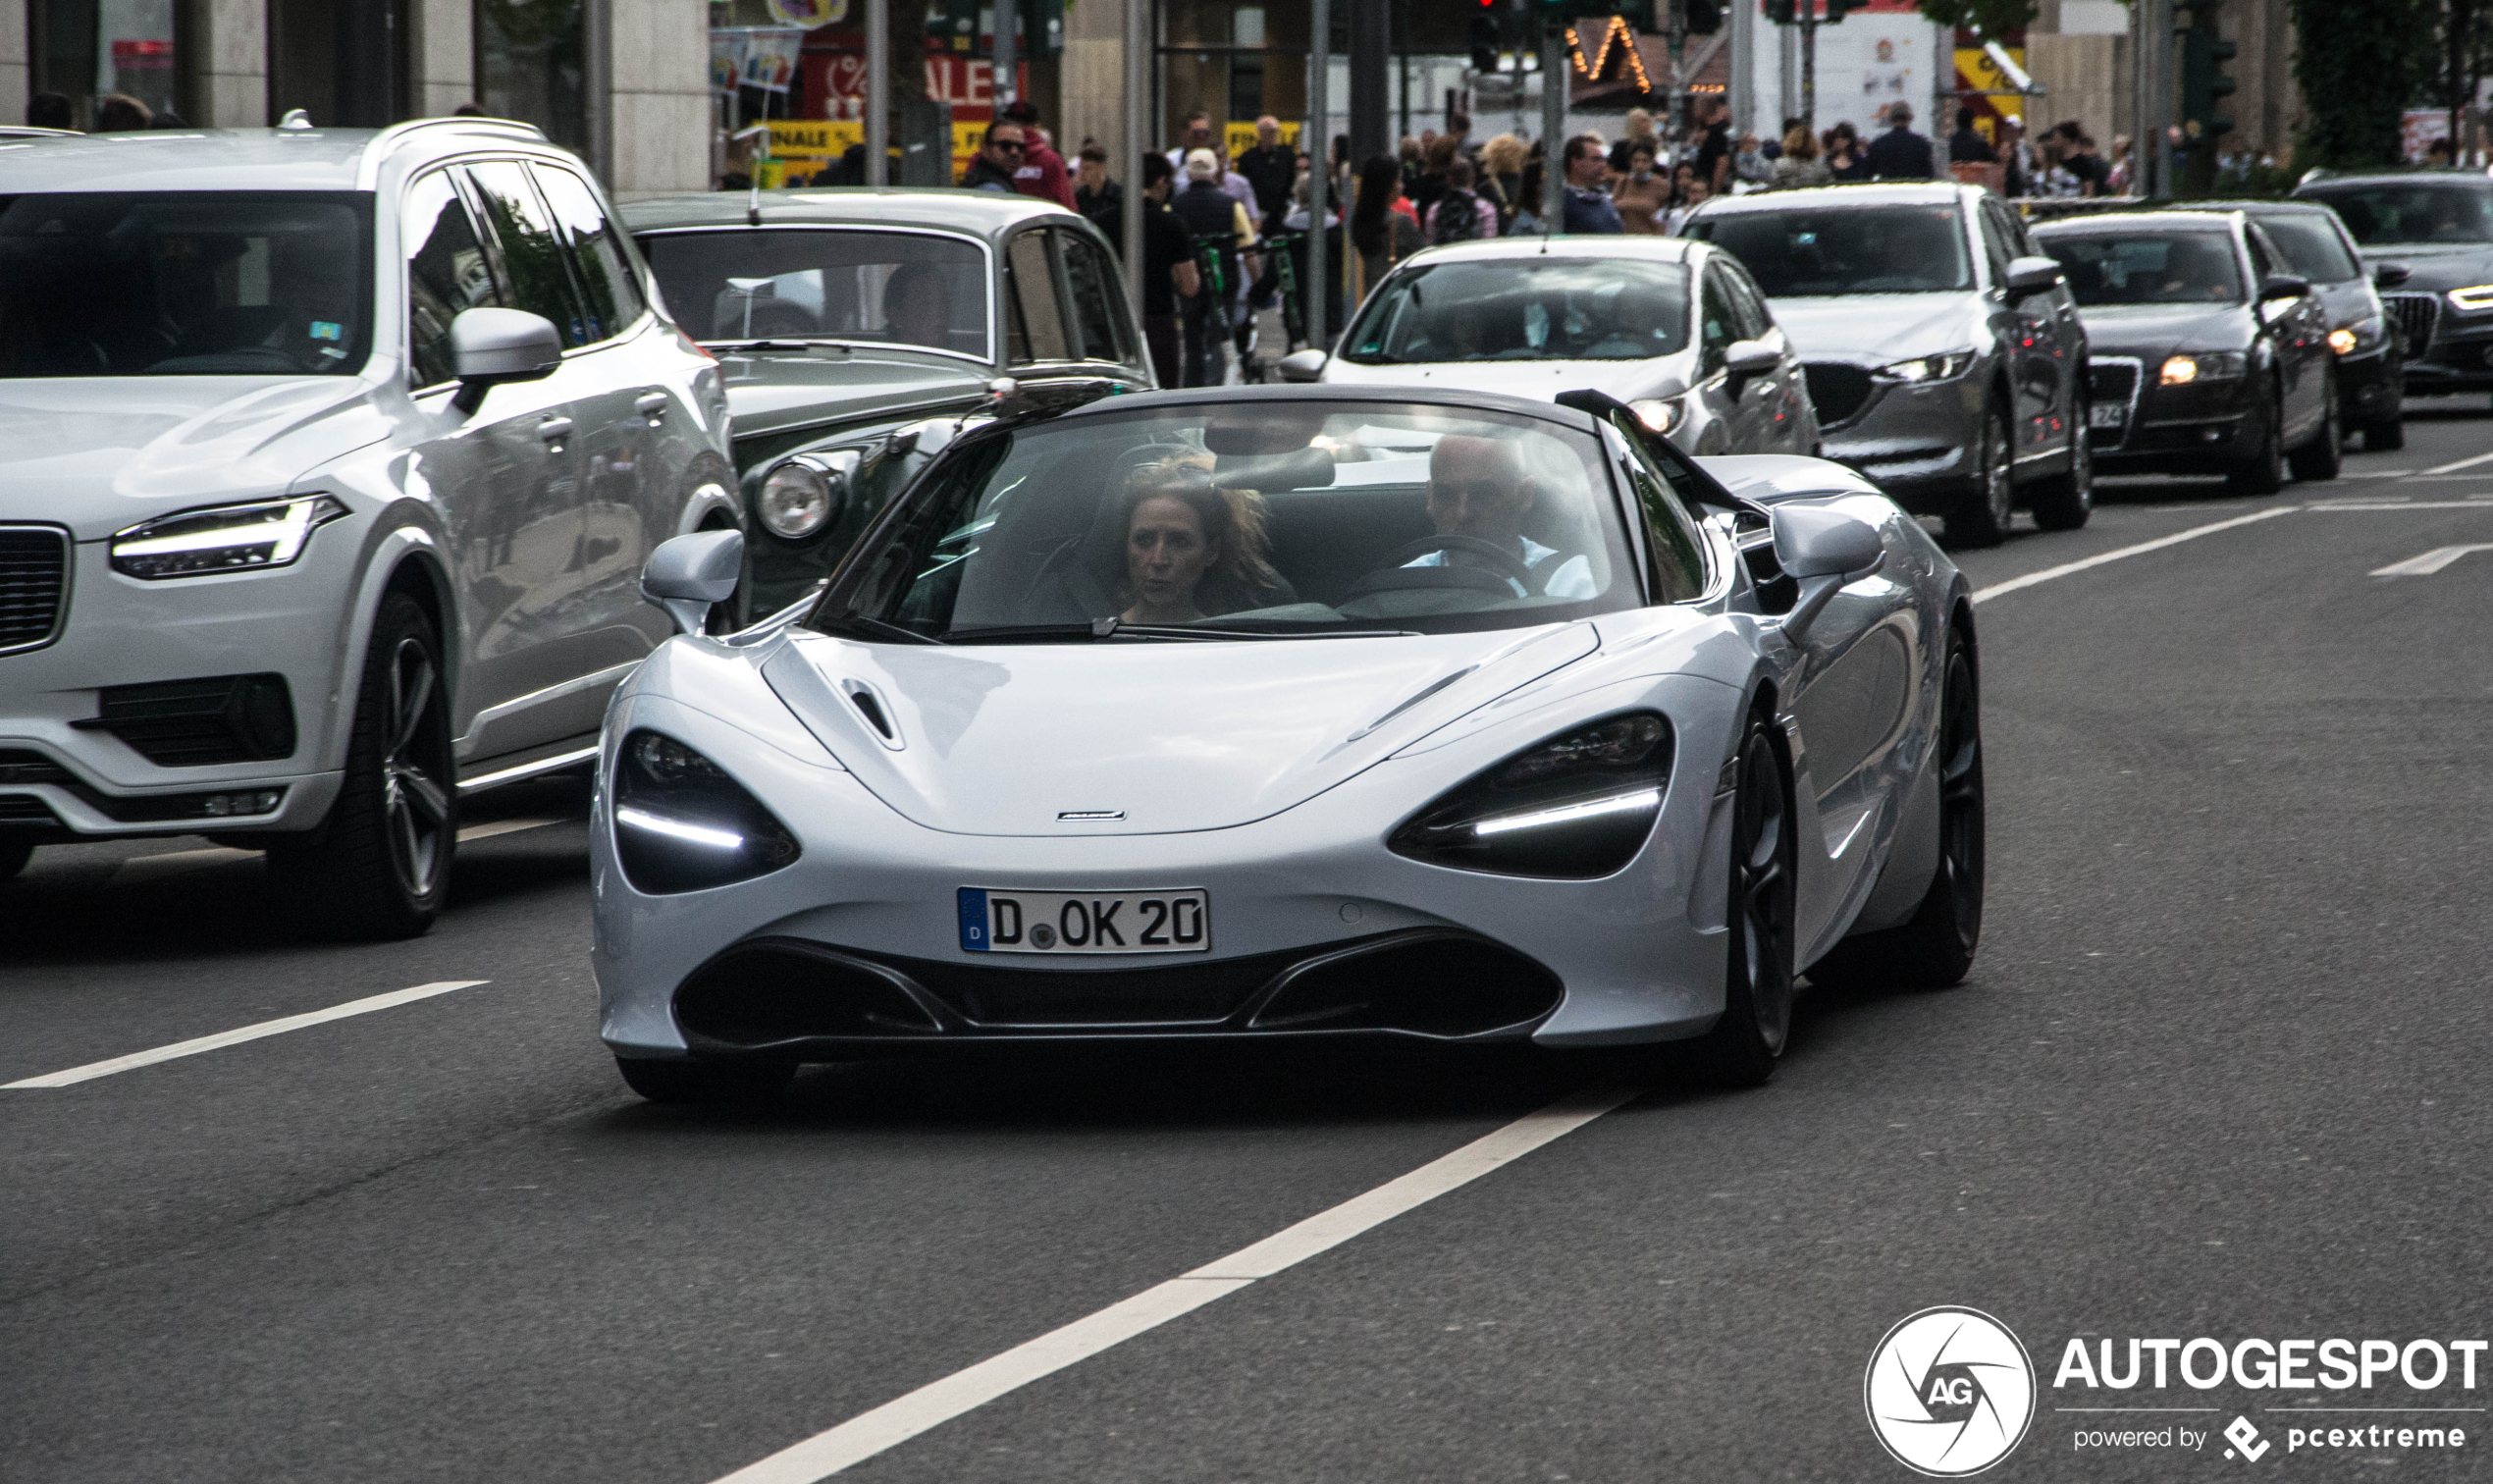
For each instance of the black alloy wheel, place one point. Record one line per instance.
(1983, 516)
(1936, 948)
(2325, 454)
(378, 865)
(2262, 469)
(704, 1082)
(2063, 502)
(1741, 1049)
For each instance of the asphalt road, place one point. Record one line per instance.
(2218, 1072)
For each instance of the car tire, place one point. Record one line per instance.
(2321, 457)
(2063, 502)
(14, 853)
(1743, 1048)
(699, 1081)
(2385, 437)
(2263, 472)
(1982, 518)
(379, 867)
(1935, 947)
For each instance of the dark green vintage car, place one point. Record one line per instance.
(859, 327)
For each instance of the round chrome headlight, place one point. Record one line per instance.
(795, 502)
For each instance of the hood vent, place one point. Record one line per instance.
(871, 705)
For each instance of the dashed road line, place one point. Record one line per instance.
(238, 1035)
(2455, 465)
(2430, 561)
(2066, 568)
(894, 1422)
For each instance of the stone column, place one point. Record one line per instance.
(17, 76)
(1091, 84)
(230, 80)
(441, 56)
(658, 112)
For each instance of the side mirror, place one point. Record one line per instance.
(2391, 274)
(2277, 285)
(1750, 357)
(1302, 366)
(489, 346)
(689, 574)
(1822, 551)
(2032, 275)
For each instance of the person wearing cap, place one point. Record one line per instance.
(1042, 173)
(1207, 211)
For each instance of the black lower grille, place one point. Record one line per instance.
(35, 581)
(1836, 390)
(25, 808)
(191, 723)
(778, 995)
(2418, 315)
(18, 766)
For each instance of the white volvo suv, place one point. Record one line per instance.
(329, 460)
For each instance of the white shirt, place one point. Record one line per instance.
(1572, 579)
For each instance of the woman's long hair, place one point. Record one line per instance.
(1233, 523)
(1380, 184)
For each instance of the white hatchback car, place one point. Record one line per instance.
(1673, 328)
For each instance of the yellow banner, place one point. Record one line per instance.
(814, 139)
(1976, 70)
(1238, 139)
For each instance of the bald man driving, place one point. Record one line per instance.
(1477, 488)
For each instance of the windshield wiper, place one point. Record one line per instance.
(1118, 630)
(859, 625)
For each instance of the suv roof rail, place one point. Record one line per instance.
(389, 139)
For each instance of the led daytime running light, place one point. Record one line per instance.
(233, 538)
(679, 829)
(1540, 818)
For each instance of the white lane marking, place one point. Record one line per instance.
(2400, 505)
(2430, 561)
(2462, 463)
(930, 1405)
(491, 829)
(239, 1034)
(2373, 473)
(2030, 579)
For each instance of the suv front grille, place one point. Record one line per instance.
(18, 766)
(191, 723)
(34, 582)
(2417, 314)
(1836, 390)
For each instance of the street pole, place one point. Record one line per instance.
(1809, 64)
(1138, 91)
(1743, 90)
(1317, 133)
(1676, 31)
(1008, 15)
(877, 92)
(1553, 91)
(2160, 50)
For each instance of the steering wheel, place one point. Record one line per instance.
(1394, 572)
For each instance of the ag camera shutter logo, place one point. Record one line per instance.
(1949, 1392)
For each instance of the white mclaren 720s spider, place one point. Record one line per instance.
(1296, 712)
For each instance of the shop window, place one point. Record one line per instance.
(89, 50)
(531, 64)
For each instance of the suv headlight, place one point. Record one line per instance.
(682, 825)
(2472, 300)
(1577, 807)
(1660, 414)
(267, 533)
(2182, 370)
(1929, 368)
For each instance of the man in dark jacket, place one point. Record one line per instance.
(1210, 216)
(1900, 154)
(1585, 207)
(998, 162)
(1271, 168)
(1967, 146)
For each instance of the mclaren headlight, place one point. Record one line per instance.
(682, 825)
(268, 533)
(1929, 368)
(1577, 807)
(1659, 415)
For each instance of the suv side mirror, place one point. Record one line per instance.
(2032, 275)
(689, 574)
(489, 346)
(2277, 285)
(2391, 274)
(1303, 365)
(1822, 551)
(1750, 357)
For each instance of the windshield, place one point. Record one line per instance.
(184, 284)
(1533, 308)
(799, 283)
(1267, 519)
(1818, 251)
(2311, 245)
(2148, 268)
(2412, 212)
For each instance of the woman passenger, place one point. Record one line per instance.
(1192, 549)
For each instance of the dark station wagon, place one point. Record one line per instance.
(859, 327)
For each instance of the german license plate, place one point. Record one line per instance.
(1173, 921)
(2106, 415)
